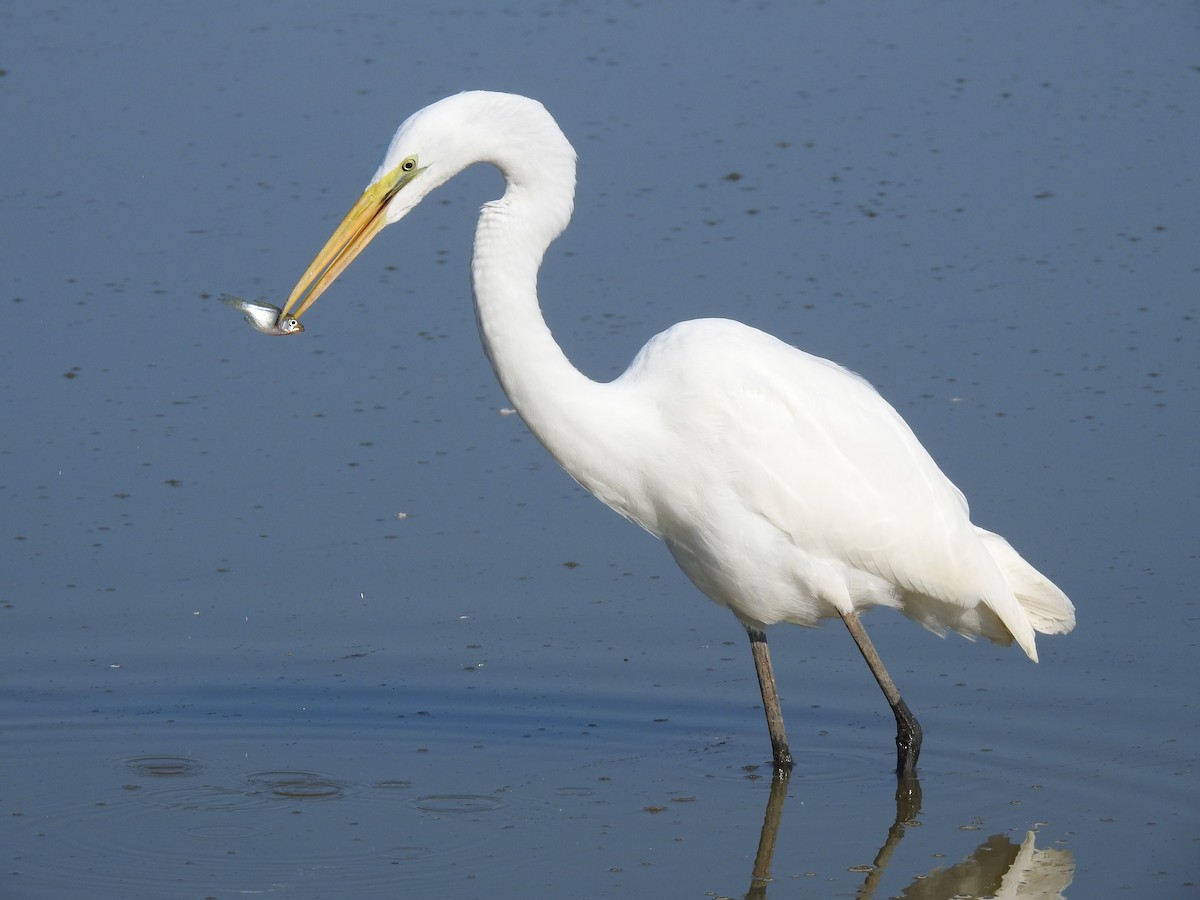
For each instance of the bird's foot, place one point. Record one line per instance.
(782, 760)
(908, 741)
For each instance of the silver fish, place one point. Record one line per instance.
(264, 317)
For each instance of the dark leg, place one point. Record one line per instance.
(908, 732)
(766, 683)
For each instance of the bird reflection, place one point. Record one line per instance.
(998, 868)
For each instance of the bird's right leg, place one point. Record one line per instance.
(908, 731)
(766, 683)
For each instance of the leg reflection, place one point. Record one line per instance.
(766, 839)
(998, 867)
(908, 807)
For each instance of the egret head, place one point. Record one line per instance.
(432, 146)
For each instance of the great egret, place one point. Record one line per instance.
(784, 486)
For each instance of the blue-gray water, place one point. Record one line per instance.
(312, 617)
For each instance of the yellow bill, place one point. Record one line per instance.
(361, 224)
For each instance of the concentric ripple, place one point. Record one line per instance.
(288, 784)
(164, 766)
(457, 803)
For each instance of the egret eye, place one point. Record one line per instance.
(409, 164)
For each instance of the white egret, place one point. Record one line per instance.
(784, 486)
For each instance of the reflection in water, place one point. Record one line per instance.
(998, 868)
(908, 807)
(766, 840)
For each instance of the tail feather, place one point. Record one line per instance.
(1048, 609)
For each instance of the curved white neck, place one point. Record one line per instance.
(563, 408)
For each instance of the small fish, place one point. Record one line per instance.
(264, 317)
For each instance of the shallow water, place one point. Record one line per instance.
(315, 618)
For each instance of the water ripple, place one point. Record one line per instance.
(457, 803)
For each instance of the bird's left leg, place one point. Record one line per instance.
(780, 751)
(908, 731)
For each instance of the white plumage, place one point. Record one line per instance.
(784, 486)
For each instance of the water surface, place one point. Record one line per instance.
(316, 618)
